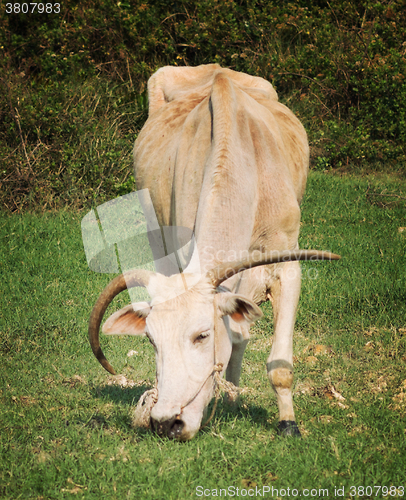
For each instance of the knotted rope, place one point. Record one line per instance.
(224, 385)
(141, 414)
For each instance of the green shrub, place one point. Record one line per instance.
(74, 83)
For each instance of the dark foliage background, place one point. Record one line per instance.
(73, 84)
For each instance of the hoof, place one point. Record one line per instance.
(288, 428)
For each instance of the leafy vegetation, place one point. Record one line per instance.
(74, 84)
(65, 425)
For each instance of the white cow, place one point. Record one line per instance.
(221, 156)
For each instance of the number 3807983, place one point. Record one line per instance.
(31, 8)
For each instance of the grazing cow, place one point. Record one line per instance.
(221, 156)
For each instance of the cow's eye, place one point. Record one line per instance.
(201, 336)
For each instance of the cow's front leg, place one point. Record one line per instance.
(233, 371)
(284, 295)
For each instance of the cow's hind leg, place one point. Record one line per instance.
(285, 290)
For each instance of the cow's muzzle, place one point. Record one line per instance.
(171, 428)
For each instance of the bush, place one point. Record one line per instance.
(74, 83)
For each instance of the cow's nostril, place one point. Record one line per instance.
(171, 428)
(176, 428)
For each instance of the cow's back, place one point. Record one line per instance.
(221, 156)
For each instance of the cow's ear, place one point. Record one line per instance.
(238, 307)
(129, 320)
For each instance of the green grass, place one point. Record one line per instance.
(65, 432)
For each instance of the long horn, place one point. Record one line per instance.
(227, 269)
(129, 279)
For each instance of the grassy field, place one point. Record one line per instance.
(64, 422)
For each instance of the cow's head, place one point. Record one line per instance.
(184, 323)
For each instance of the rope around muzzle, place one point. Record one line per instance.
(224, 385)
(141, 416)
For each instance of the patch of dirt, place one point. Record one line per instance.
(75, 381)
(122, 381)
(399, 399)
